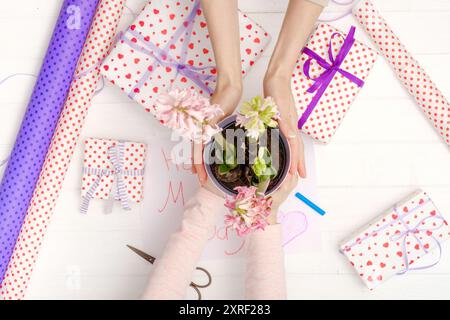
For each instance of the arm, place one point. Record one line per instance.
(265, 276)
(223, 26)
(173, 270)
(301, 16)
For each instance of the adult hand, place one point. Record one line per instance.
(281, 195)
(228, 98)
(280, 91)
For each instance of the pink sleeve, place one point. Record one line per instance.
(265, 278)
(173, 271)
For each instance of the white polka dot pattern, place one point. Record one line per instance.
(415, 79)
(41, 117)
(61, 150)
(341, 92)
(96, 156)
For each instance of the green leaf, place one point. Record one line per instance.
(271, 171)
(223, 169)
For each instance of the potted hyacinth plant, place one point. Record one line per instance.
(250, 150)
(248, 160)
(245, 156)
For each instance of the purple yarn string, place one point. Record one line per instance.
(3, 81)
(3, 162)
(134, 14)
(16, 75)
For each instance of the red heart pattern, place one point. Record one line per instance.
(340, 94)
(96, 156)
(60, 153)
(159, 29)
(377, 256)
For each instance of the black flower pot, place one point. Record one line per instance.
(242, 175)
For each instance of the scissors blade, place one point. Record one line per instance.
(142, 254)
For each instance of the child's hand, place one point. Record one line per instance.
(281, 195)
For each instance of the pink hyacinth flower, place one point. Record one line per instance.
(248, 211)
(187, 113)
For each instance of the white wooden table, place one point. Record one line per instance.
(384, 150)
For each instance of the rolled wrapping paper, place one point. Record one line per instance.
(412, 75)
(41, 117)
(61, 150)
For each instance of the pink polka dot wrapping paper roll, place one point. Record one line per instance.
(402, 239)
(33, 140)
(168, 47)
(415, 79)
(336, 66)
(113, 170)
(65, 138)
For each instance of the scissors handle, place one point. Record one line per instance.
(199, 294)
(208, 275)
(197, 287)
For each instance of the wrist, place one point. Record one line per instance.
(228, 93)
(230, 82)
(278, 73)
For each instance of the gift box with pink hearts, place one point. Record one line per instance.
(112, 170)
(398, 241)
(168, 47)
(329, 74)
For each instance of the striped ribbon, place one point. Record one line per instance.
(116, 156)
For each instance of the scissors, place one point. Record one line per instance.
(193, 285)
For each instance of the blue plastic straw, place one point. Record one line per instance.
(310, 204)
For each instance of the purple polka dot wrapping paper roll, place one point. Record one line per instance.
(34, 137)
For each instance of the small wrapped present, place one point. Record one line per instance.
(394, 243)
(330, 72)
(168, 47)
(112, 170)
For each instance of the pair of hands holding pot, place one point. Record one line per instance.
(288, 127)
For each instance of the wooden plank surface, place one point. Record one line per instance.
(384, 150)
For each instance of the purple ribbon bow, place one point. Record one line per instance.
(163, 58)
(322, 82)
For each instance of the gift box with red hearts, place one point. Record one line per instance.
(112, 170)
(398, 240)
(168, 47)
(329, 74)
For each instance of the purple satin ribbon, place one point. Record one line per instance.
(409, 231)
(414, 231)
(322, 82)
(163, 58)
